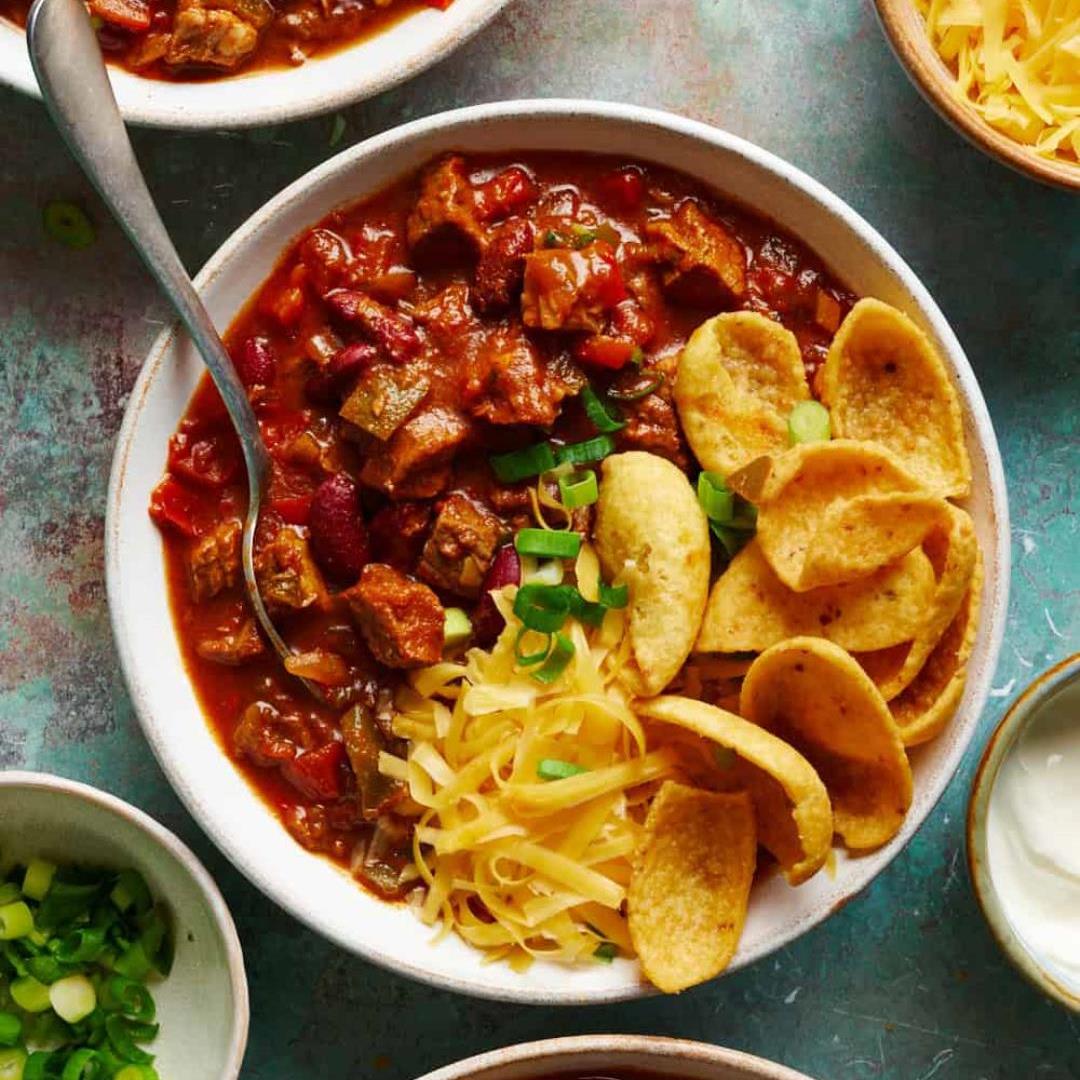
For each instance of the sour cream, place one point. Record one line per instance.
(1033, 836)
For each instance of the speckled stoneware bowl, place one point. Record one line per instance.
(980, 861)
(315, 890)
(321, 85)
(203, 1005)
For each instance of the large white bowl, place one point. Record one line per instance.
(203, 1003)
(614, 1056)
(215, 792)
(321, 85)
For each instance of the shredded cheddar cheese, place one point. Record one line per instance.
(518, 865)
(1017, 63)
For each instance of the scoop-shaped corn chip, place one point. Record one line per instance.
(953, 551)
(739, 377)
(750, 608)
(884, 381)
(652, 534)
(812, 694)
(690, 885)
(794, 818)
(834, 512)
(930, 700)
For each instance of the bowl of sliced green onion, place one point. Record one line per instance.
(117, 952)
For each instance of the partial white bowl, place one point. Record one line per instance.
(204, 1001)
(321, 85)
(316, 891)
(615, 1056)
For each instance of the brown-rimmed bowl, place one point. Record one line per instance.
(1046, 687)
(906, 30)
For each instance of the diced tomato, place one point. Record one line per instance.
(505, 193)
(286, 305)
(292, 509)
(607, 283)
(601, 350)
(624, 188)
(174, 506)
(318, 774)
(133, 15)
(211, 461)
(439, 5)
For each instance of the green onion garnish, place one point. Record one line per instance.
(29, 994)
(556, 769)
(547, 543)
(715, 498)
(457, 626)
(542, 608)
(598, 413)
(613, 596)
(653, 381)
(562, 652)
(589, 450)
(10, 1029)
(12, 1064)
(73, 998)
(131, 891)
(521, 464)
(38, 879)
(15, 921)
(809, 422)
(68, 223)
(732, 540)
(578, 489)
(606, 951)
(529, 659)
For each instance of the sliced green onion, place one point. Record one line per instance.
(745, 516)
(529, 659)
(562, 652)
(589, 450)
(547, 544)
(16, 921)
(553, 239)
(136, 1072)
(73, 998)
(543, 608)
(68, 223)
(578, 489)
(545, 572)
(602, 419)
(457, 627)
(46, 969)
(809, 422)
(38, 878)
(606, 951)
(10, 1029)
(29, 994)
(12, 1064)
(131, 891)
(123, 1034)
(130, 998)
(85, 1064)
(654, 380)
(613, 596)
(66, 900)
(133, 962)
(9, 893)
(556, 769)
(81, 946)
(715, 498)
(521, 464)
(156, 941)
(732, 540)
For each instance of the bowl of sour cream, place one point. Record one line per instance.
(1024, 833)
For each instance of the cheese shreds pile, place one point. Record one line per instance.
(1017, 63)
(518, 865)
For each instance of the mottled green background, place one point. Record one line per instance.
(905, 983)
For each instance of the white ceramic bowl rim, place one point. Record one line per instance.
(549, 1056)
(323, 84)
(183, 855)
(446, 128)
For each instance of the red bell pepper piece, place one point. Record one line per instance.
(173, 506)
(292, 509)
(600, 350)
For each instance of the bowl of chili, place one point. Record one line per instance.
(65, 832)
(786, 222)
(210, 66)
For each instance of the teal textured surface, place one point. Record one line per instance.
(903, 984)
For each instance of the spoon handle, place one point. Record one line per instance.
(67, 60)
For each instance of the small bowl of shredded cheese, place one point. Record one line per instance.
(1005, 73)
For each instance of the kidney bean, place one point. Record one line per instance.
(333, 382)
(505, 569)
(255, 362)
(394, 334)
(339, 538)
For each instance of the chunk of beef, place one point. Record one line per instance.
(234, 648)
(462, 545)
(500, 272)
(704, 263)
(391, 331)
(507, 381)
(444, 226)
(221, 34)
(448, 317)
(415, 462)
(214, 561)
(267, 737)
(651, 425)
(571, 290)
(398, 533)
(286, 573)
(327, 257)
(400, 618)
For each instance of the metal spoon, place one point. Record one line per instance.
(70, 70)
